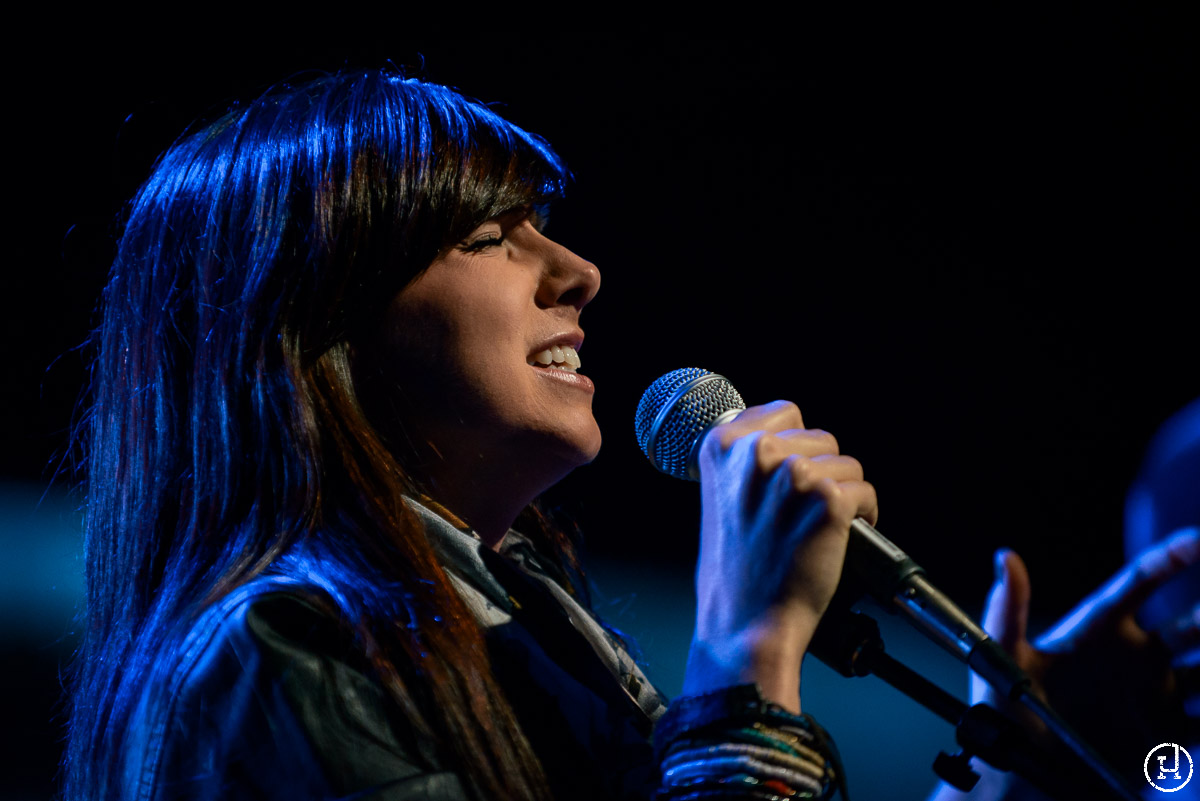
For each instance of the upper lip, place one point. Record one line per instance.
(572, 338)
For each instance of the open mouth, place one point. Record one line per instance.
(557, 357)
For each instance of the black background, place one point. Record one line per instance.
(965, 245)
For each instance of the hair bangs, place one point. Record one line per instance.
(482, 166)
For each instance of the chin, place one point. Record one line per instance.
(583, 452)
(579, 449)
(591, 453)
(592, 447)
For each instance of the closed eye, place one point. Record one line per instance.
(492, 233)
(482, 243)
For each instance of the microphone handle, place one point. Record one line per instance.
(899, 585)
(875, 566)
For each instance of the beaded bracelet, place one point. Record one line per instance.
(716, 766)
(732, 743)
(686, 769)
(811, 767)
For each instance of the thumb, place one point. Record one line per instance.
(1006, 613)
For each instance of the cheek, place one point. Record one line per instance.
(415, 344)
(456, 318)
(458, 347)
(456, 367)
(411, 353)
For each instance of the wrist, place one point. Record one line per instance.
(767, 652)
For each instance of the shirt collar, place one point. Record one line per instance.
(459, 549)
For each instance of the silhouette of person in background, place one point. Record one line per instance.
(1121, 667)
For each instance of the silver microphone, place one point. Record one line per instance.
(675, 413)
(681, 407)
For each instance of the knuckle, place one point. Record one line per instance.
(802, 473)
(854, 465)
(829, 490)
(724, 436)
(787, 413)
(828, 441)
(839, 506)
(768, 452)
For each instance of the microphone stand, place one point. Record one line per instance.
(850, 643)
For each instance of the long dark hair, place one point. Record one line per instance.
(224, 435)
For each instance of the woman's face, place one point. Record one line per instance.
(466, 344)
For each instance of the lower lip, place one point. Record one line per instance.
(577, 380)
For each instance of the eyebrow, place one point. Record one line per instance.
(538, 215)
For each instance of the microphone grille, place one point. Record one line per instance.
(676, 411)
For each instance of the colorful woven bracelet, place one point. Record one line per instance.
(747, 734)
(731, 707)
(716, 767)
(766, 754)
(697, 742)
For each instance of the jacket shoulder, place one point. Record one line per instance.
(268, 696)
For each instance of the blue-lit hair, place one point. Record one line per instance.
(224, 437)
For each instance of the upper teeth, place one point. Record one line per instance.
(562, 357)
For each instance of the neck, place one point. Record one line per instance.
(488, 481)
(488, 500)
(490, 521)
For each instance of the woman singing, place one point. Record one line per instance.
(339, 361)
(337, 365)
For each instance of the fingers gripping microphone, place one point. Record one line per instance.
(672, 418)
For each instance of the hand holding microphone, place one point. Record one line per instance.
(781, 511)
(777, 502)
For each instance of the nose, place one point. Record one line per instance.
(568, 279)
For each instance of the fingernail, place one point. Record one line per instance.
(998, 564)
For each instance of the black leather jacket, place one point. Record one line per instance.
(269, 700)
